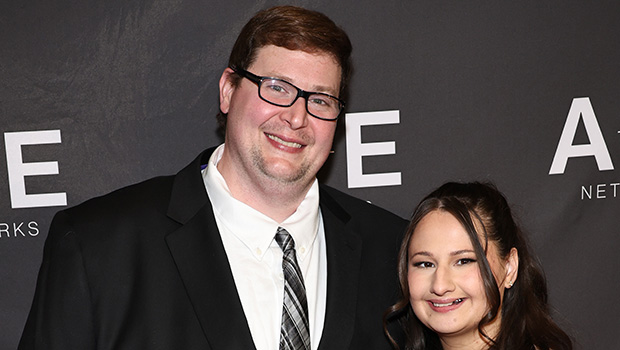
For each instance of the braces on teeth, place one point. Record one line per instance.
(457, 301)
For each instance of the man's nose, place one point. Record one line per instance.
(296, 115)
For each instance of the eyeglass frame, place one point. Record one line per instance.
(258, 80)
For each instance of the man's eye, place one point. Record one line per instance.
(277, 88)
(320, 101)
(323, 102)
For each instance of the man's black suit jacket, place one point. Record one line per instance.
(144, 268)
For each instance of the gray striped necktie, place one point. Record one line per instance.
(295, 331)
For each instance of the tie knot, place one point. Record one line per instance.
(285, 240)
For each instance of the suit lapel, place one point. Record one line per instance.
(202, 263)
(343, 264)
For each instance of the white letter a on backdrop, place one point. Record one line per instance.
(581, 107)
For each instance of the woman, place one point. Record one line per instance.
(467, 278)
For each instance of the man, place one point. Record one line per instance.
(190, 261)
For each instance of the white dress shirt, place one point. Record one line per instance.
(256, 259)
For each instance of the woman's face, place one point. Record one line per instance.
(445, 286)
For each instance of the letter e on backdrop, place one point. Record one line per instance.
(356, 149)
(18, 170)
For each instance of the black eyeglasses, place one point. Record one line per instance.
(281, 93)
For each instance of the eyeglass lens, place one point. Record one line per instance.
(281, 93)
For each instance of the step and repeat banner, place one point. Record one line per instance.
(96, 95)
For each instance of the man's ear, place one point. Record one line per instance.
(512, 268)
(226, 89)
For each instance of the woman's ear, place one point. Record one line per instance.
(512, 268)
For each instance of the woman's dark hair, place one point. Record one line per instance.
(294, 28)
(525, 316)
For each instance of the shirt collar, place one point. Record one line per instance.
(255, 229)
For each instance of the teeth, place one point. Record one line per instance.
(285, 143)
(457, 301)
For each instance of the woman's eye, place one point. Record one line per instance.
(465, 261)
(423, 264)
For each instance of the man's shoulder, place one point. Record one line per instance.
(356, 207)
(378, 230)
(135, 208)
(138, 207)
(149, 193)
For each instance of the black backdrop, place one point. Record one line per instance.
(113, 92)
